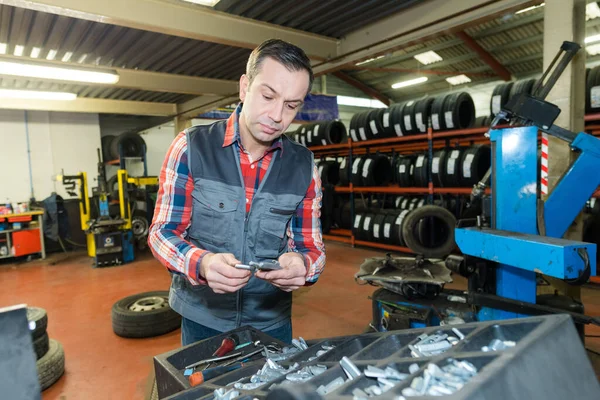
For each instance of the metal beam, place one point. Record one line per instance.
(361, 86)
(415, 70)
(184, 20)
(96, 106)
(140, 80)
(486, 57)
(194, 107)
(418, 23)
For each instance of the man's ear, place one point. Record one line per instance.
(244, 83)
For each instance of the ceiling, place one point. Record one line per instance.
(514, 40)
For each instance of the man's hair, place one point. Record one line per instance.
(290, 56)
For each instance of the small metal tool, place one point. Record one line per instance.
(260, 266)
(211, 360)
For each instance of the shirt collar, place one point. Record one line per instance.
(232, 131)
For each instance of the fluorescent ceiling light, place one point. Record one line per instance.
(35, 95)
(67, 56)
(369, 60)
(209, 3)
(530, 8)
(3, 47)
(592, 39)
(82, 59)
(51, 54)
(19, 50)
(35, 52)
(593, 49)
(57, 73)
(411, 82)
(429, 57)
(359, 102)
(592, 11)
(458, 79)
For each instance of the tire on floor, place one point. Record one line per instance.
(40, 318)
(51, 366)
(41, 346)
(144, 315)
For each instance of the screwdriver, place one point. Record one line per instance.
(227, 345)
(198, 378)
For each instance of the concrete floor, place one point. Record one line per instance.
(101, 365)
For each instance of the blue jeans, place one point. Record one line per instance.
(192, 332)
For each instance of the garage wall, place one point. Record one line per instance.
(57, 141)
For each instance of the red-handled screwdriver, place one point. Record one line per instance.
(198, 378)
(227, 345)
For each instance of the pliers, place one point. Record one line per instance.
(261, 266)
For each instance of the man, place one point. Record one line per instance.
(238, 191)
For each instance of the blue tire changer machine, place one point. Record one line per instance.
(518, 235)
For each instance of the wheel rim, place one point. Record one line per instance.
(139, 227)
(149, 303)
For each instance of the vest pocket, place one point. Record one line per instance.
(213, 215)
(272, 237)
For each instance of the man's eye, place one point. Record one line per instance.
(267, 97)
(292, 106)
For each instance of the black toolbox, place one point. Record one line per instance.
(547, 362)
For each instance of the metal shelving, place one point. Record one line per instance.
(429, 142)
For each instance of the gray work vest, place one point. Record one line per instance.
(220, 224)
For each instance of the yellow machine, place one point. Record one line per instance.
(110, 239)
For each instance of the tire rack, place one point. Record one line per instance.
(423, 142)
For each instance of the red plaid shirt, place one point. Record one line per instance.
(173, 211)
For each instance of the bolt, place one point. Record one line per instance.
(436, 346)
(349, 368)
(415, 352)
(458, 334)
(413, 368)
(497, 344)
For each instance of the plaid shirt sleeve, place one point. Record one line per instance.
(305, 234)
(172, 215)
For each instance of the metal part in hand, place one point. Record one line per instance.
(260, 266)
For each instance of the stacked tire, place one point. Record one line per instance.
(592, 90)
(321, 133)
(371, 170)
(49, 353)
(452, 111)
(504, 92)
(426, 229)
(131, 144)
(460, 167)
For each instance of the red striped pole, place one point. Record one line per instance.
(544, 174)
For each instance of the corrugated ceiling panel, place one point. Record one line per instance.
(331, 18)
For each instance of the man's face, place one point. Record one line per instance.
(272, 101)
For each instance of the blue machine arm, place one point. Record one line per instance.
(575, 187)
(560, 258)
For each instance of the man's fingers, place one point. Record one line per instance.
(283, 273)
(230, 259)
(232, 272)
(224, 280)
(288, 282)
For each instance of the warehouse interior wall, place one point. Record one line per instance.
(57, 141)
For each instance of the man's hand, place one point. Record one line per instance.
(292, 274)
(219, 271)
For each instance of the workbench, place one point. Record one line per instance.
(26, 240)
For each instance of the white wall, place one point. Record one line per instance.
(57, 141)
